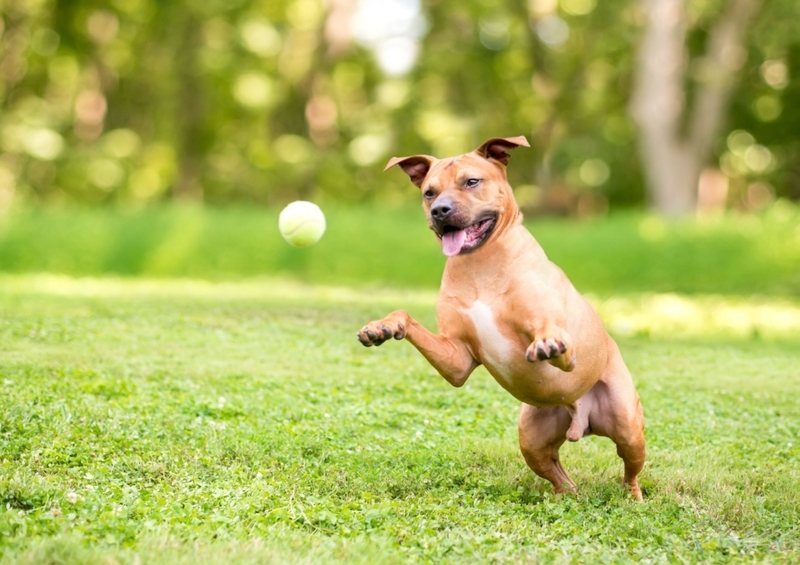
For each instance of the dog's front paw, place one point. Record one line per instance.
(544, 349)
(375, 333)
(558, 351)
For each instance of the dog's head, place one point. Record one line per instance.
(467, 198)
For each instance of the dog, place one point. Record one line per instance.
(504, 305)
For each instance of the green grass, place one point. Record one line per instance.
(626, 252)
(158, 421)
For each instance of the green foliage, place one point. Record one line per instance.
(270, 100)
(180, 422)
(371, 245)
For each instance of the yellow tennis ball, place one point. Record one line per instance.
(301, 223)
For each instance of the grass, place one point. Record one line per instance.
(183, 421)
(623, 253)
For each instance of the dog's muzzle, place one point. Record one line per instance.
(458, 237)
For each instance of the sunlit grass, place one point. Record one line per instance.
(673, 316)
(663, 315)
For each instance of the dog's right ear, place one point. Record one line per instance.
(496, 147)
(416, 166)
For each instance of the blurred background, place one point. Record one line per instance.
(114, 111)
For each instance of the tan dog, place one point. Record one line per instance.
(504, 305)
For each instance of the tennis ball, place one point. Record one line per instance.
(301, 223)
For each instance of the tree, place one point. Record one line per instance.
(673, 154)
(110, 101)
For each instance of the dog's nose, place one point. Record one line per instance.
(442, 209)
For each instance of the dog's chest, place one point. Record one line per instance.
(496, 350)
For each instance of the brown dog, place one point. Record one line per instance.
(503, 304)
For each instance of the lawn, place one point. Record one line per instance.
(151, 420)
(179, 385)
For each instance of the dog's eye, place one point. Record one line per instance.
(429, 194)
(472, 182)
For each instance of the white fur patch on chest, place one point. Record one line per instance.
(496, 349)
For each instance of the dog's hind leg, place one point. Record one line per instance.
(541, 433)
(628, 433)
(632, 451)
(618, 415)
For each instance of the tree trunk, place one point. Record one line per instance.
(673, 155)
(189, 186)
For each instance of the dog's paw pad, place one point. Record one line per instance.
(545, 349)
(375, 333)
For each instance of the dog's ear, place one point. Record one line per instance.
(496, 148)
(416, 166)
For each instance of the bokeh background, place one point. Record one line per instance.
(137, 136)
(180, 385)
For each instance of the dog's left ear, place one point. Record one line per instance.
(496, 148)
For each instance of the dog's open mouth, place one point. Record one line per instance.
(455, 240)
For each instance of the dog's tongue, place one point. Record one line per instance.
(453, 241)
